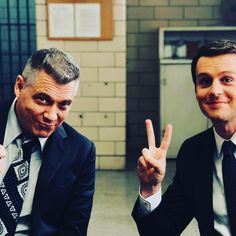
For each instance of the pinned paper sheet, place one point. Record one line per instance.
(61, 20)
(88, 20)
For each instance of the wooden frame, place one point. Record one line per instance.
(105, 12)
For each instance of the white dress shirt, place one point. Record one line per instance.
(12, 146)
(221, 221)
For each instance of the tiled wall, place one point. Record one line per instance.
(99, 109)
(143, 19)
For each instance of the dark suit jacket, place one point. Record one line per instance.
(64, 191)
(190, 194)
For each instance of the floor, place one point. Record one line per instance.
(116, 192)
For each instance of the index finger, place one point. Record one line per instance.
(150, 134)
(167, 137)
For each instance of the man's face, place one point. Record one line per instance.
(43, 105)
(216, 87)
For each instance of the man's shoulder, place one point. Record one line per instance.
(203, 134)
(72, 133)
(204, 138)
(5, 104)
(197, 148)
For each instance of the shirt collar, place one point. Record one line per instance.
(13, 129)
(219, 141)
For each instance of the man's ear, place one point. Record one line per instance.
(19, 84)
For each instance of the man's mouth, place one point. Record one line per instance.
(46, 125)
(216, 104)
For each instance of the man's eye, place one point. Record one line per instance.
(204, 81)
(227, 80)
(64, 105)
(41, 100)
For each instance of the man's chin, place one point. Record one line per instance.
(218, 119)
(214, 115)
(44, 133)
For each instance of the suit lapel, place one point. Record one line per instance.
(55, 151)
(204, 182)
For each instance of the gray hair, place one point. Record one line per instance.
(58, 64)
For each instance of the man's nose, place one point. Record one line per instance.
(51, 113)
(216, 89)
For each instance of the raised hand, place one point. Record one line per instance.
(3, 154)
(152, 164)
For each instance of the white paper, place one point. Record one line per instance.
(61, 20)
(88, 20)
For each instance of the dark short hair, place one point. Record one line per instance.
(211, 49)
(60, 65)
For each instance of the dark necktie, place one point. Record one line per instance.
(229, 178)
(13, 188)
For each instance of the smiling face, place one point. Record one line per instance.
(43, 105)
(216, 87)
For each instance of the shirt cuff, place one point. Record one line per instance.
(147, 205)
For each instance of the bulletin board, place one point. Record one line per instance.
(80, 19)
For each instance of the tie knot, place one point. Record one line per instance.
(29, 147)
(228, 148)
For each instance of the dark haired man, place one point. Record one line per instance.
(205, 179)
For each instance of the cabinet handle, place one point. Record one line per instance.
(163, 81)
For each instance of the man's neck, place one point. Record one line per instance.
(225, 129)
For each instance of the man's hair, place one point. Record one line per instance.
(58, 64)
(211, 49)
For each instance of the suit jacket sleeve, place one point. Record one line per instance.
(189, 195)
(172, 215)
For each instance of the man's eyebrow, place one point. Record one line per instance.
(228, 72)
(47, 97)
(68, 102)
(202, 74)
(42, 95)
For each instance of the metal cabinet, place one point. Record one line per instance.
(178, 105)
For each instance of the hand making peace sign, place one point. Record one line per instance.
(152, 164)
